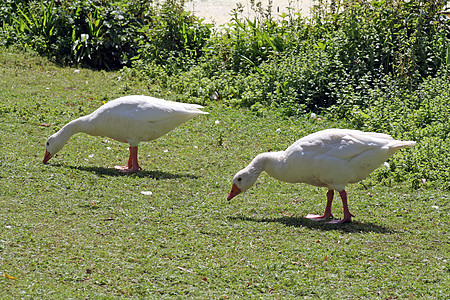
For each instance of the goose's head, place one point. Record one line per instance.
(242, 181)
(54, 144)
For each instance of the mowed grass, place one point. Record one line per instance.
(77, 228)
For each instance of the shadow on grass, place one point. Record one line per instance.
(158, 175)
(353, 227)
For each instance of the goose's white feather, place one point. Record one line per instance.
(129, 119)
(329, 158)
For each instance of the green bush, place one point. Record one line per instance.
(397, 37)
(91, 32)
(102, 33)
(105, 34)
(172, 37)
(243, 44)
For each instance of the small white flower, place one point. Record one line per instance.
(91, 155)
(313, 116)
(386, 164)
(435, 207)
(278, 130)
(216, 122)
(108, 148)
(8, 226)
(119, 78)
(146, 193)
(195, 147)
(166, 150)
(77, 71)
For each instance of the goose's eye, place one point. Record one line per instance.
(239, 179)
(48, 143)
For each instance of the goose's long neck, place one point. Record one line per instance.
(74, 126)
(270, 162)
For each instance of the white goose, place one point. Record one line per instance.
(129, 119)
(329, 158)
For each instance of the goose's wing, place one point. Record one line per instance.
(343, 144)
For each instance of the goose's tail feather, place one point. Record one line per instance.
(401, 144)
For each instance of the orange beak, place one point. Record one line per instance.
(47, 156)
(234, 192)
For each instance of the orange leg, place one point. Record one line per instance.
(132, 165)
(347, 215)
(327, 214)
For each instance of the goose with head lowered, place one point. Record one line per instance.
(128, 119)
(330, 158)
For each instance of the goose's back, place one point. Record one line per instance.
(132, 119)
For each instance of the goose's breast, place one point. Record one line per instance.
(302, 168)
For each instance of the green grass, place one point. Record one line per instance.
(77, 228)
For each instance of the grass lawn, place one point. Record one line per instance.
(76, 228)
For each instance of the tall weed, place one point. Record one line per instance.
(244, 43)
(171, 37)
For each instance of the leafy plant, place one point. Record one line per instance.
(103, 33)
(92, 32)
(244, 43)
(172, 37)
